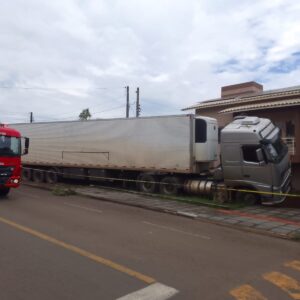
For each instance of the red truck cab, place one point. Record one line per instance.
(10, 158)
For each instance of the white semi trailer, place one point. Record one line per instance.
(165, 152)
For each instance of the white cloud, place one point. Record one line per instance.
(83, 53)
(158, 78)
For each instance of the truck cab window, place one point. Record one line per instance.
(249, 153)
(276, 150)
(200, 131)
(10, 146)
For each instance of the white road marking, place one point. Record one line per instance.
(155, 291)
(179, 231)
(83, 207)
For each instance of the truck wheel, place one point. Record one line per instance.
(147, 183)
(221, 196)
(4, 191)
(246, 198)
(169, 185)
(51, 176)
(250, 198)
(26, 174)
(38, 176)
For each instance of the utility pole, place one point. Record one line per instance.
(31, 117)
(127, 101)
(138, 107)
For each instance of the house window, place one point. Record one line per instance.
(219, 134)
(290, 129)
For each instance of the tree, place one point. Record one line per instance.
(85, 114)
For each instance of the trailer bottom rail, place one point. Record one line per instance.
(200, 187)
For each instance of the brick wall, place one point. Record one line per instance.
(246, 88)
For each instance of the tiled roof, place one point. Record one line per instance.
(259, 106)
(271, 94)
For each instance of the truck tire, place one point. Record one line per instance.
(51, 176)
(250, 198)
(169, 185)
(38, 176)
(147, 183)
(4, 191)
(26, 174)
(246, 198)
(220, 196)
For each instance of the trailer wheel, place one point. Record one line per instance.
(169, 185)
(4, 191)
(51, 176)
(26, 174)
(38, 176)
(147, 183)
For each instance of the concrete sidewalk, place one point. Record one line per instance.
(276, 221)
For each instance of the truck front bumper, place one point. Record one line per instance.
(12, 182)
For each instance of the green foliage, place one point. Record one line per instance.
(296, 236)
(85, 114)
(62, 191)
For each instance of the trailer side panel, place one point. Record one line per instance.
(154, 143)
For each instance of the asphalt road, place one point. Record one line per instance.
(79, 248)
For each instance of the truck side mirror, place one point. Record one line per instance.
(25, 151)
(260, 156)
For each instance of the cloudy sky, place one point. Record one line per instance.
(58, 57)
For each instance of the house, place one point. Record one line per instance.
(282, 106)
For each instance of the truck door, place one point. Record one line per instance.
(231, 163)
(255, 173)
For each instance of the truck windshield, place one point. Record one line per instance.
(276, 150)
(10, 146)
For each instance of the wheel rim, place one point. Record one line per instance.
(250, 199)
(51, 177)
(169, 186)
(38, 176)
(26, 174)
(147, 184)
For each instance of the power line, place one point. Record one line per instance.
(39, 119)
(51, 88)
(47, 119)
(17, 116)
(10, 114)
(117, 107)
(93, 107)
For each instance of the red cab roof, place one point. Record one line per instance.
(4, 130)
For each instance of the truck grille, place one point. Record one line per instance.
(5, 173)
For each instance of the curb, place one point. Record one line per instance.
(165, 197)
(177, 213)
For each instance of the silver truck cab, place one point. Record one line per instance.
(254, 157)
